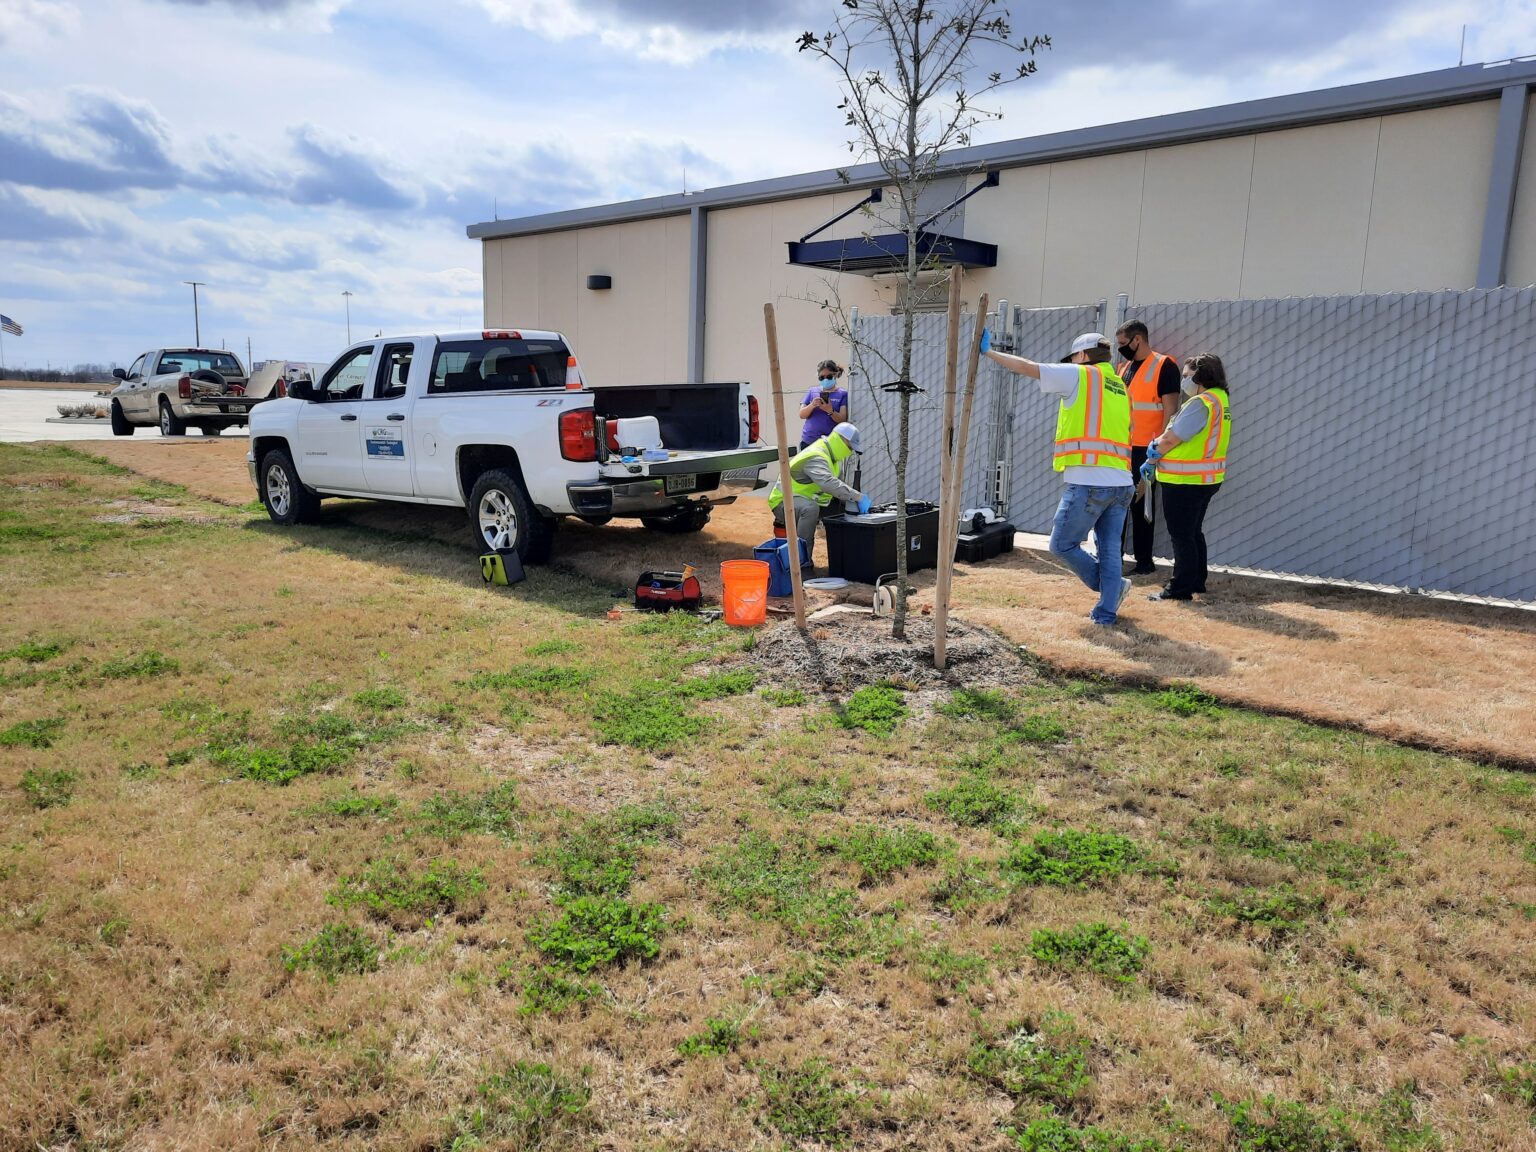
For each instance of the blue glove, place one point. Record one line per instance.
(986, 340)
(1149, 470)
(863, 505)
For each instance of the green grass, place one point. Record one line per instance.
(876, 708)
(336, 950)
(541, 679)
(354, 805)
(1399, 1123)
(1187, 700)
(880, 854)
(48, 788)
(1280, 909)
(785, 697)
(283, 765)
(1095, 948)
(389, 889)
(720, 1037)
(35, 651)
(1046, 1131)
(144, 665)
(965, 884)
(975, 801)
(549, 990)
(382, 699)
(979, 704)
(31, 733)
(648, 721)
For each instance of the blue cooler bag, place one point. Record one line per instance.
(775, 553)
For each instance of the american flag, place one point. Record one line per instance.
(9, 325)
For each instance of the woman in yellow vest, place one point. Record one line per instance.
(1190, 461)
(1093, 455)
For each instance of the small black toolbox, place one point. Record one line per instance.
(992, 540)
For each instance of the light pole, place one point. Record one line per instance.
(348, 296)
(197, 323)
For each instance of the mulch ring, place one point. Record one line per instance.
(845, 650)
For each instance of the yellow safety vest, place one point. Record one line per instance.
(1096, 429)
(808, 488)
(1202, 460)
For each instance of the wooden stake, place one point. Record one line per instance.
(949, 530)
(786, 488)
(947, 511)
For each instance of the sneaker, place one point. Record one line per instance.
(1167, 595)
(1125, 588)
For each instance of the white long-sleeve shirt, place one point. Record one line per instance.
(1062, 380)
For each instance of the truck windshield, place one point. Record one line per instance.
(497, 365)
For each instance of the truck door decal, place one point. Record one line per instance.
(385, 441)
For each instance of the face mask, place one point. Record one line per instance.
(1188, 384)
(1126, 351)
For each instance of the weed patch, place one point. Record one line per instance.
(1518, 1082)
(46, 788)
(553, 648)
(649, 721)
(804, 796)
(1096, 948)
(1049, 1132)
(974, 801)
(805, 1102)
(1187, 700)
(384, 699)
(336, 950)
(282, 765)
(785, 697)
(979, 704)
(948, 970)
(1040, 729)
(390, 890)
(719, 1038)
(595, 931)
(599, 858)
(145, 665)
(874, 708)
(1397, 1122)
(1043, 1063)
(1281, 909)
(542, 679)
(527, 1106)
(452, 814)
(354, 805)
(712, 686)
(31, 734)
(1284, 1127)
(34, 651)
(1072, 859)
(880, 854)
(550, 990)
(964, 885)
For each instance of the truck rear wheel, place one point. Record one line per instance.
(170, 423)
(678, 523)
(286, 499)
(502, 517)
(120, 425)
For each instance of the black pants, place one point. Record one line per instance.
(1140, 529)
(1184, 505)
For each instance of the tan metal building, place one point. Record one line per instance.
(1415, 183)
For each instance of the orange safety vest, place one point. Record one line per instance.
(1147, 418)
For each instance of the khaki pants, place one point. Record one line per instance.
(807, 516)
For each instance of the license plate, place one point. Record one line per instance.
(675, 484)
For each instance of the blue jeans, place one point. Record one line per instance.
(1102, 511)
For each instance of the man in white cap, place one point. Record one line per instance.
(1093, 454)
(814, 480)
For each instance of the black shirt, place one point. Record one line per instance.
(1168, 379)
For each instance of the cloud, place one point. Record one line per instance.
(23, 218)
(109, 143)
(48, 17)
(343, 171)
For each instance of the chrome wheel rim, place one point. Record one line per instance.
(498, 520)
(279, 494)
(165, 420)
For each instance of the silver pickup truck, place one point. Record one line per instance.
(180, 388)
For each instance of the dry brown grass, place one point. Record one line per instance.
(144, 1002)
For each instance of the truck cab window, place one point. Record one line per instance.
(137, 370)
(502, 365)
(393, 371)
(346, 380)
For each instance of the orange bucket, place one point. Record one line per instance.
(745, 595)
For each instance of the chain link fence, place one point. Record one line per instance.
(1376, 439)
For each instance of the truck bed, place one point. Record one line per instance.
(695, 417)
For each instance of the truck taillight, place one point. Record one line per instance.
(184, 387)
(500, 334)
(281, 388)
(754, 422)
(573, 380)
(578, 435)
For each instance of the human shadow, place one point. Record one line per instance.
(1246, 614)
(1156, 650)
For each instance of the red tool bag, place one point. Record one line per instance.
(664, 591)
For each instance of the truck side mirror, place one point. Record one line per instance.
(301, 389)
(119, 374)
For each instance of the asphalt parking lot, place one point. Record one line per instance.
(24, 415)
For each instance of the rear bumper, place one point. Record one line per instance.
(590, 499)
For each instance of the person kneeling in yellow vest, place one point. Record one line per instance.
(1093, 454)
(1190, 461)
(814, 481)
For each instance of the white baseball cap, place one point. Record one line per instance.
(851, 434)
(1086, 342)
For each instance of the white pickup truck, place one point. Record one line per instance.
(501, 423)
(180, 388)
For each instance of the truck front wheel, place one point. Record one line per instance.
(286, 498)
(502, 517)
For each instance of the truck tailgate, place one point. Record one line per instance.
(683, 463)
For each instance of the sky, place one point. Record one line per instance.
(284, 152)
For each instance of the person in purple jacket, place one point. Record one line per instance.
(825, 406)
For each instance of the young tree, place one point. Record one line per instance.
(905, 69)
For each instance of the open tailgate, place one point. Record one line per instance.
(683, 466)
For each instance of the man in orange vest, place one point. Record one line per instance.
(1153, 382)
